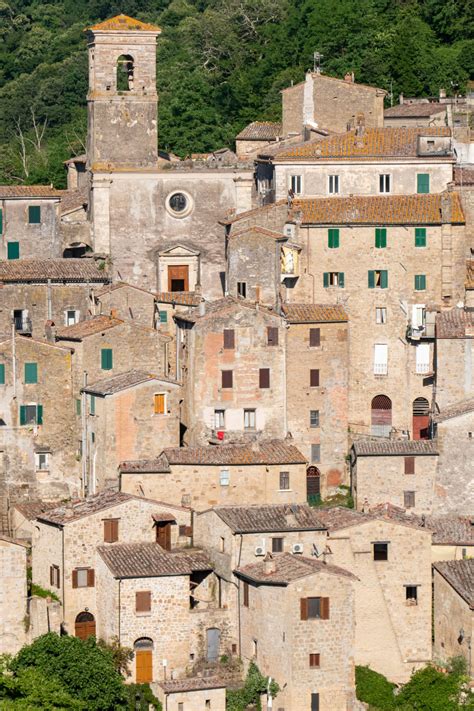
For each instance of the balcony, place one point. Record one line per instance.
(23, 325)
(419, 333)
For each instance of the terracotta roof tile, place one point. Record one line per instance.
(449, 530)
(254, 229)
(374, 143)
(464, 176)
(58, 270)
(469, 283)
(273, 452)
(288, 568)
(123, 23)
(394, 447)
(73, 199)
(338, 517)
(29, 191)
(460, 575)
(256, 211)
(193, 683)
(159, 465)
(456, 323)
(33, 509)
(122, 381)
(122, 285)
(183, 298)
(223, 306)
(455, 410)
(260, 131)
(276, 517)
(313, 313)
(149, 560)
(416, 110)
(379, 210)
(83, 329)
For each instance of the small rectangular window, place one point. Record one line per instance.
(333, 187)
(314, 378)
(333, 238)
(111, 530)
(409, 465)
(227, 378)
(378, 279)
(82, 577)
(409, 499)
(420, 282)
(1, 221)
(284, 481)
(314, 418)
(224, 477)
(34, 215)
(246, 594)
(264, 377)
(423, 183)
(249, 419)
(422, 358)
(42, 461)
(411, 593)
(54, 579)
(380, 237)
(242, 289)
(380, 551)
(380, 359)
(71, 317)
(315, 453)
(296, 184)
(384, 183)
(380, 314)
(2, 373)
(92, 405)
(13, 250)
(229, 338)
(315, 702)
(314, 661)
(31, 372)
(277, 545)
(314, 337)
(333, 279)
(106, 358)
(31, 414)
(159, 403)
(317, 608)
(163, 317)
(143, 601)
(420, 236)
(219, 419)
(272, 336)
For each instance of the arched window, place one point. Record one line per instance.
(143, 648)
(421, 418)
(313, 485)
(381, 416)
(125, 73)
(84, 625)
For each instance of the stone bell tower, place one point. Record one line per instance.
(122, 99)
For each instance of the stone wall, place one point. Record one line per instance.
(12, 596)
(129, 303)
(196, 700)
(41, 240)
(246, 254)
(454, 486)
(451, 615)
(454, 371)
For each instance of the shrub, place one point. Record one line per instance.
(374, 689)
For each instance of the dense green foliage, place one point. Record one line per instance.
(255, 685)
(221, 64)
(429, 689)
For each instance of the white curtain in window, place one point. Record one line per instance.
(423, 358)
(380, 359)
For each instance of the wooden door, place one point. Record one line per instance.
(144, 666)
(178, 278)
(421, 419)
(313, 485)
(163, 535)
(84, 625)
(213, 644)
(381, 416)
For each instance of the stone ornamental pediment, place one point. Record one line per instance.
(179, 250)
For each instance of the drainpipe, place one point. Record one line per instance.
(238, 599)
(84, 434)
(119, 604)
(14, 358)
(49, 299)
(285, 394)
(309, 261)
(63, 575)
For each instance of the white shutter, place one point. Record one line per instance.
(417, 315)
(380, 359)
(423, 358)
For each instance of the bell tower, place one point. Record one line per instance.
(122, 100)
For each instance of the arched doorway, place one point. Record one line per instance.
(143, 649)
(313, 485)
(85, 625)
(381, 416)
(421, 418)
(213, 636)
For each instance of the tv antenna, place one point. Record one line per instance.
(317, 57)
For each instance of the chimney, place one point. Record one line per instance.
(269, 566)
(446, 208)
(349, 77)
(50, 331)
(400, 99)
(202, 308)
(442, 94)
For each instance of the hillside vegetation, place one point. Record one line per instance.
(221, 64)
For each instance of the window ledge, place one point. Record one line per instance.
(285, 491)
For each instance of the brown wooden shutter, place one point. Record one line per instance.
(314, 660)
(51, 575)
(188, 531)
(58, 576)
(159, 404)
(264, 377)
(409, 465)
(143, 601)
(314, 378)
(107, 532)
(314, 337)
(90, 578)
(74, 578)
(325, 608)
(304, 608)
(227, 379)
(246, 594)
(114, 525)
(272, 336)
(229, 338)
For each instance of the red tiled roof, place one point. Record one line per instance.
(288, 568)
(183, 298)
(58, 270)
(372, 144)
(416, 110)
(122, 381)
(460, 575)
(274, 452)
(455, 410)
(194, 683)
(121, 285)
(29, 191)
(313, 313)
(270, 517)
(73, 199)
(123, 23)
(255, 229)
(149, 560)
(394, 447)
(83, 329)
(454, 323)
(159, 465)
(464, 176)
(378, 210)
(260, 131)
(469, 283)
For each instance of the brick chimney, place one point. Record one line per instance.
(269, 565)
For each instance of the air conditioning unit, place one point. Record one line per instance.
(260, 550)
(297, 548)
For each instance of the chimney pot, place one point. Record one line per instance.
(269, 565)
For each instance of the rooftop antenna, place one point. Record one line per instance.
(317, 57)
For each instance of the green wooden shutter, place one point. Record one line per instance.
(423, 183)
(384, 279)
(340, 279)
(92, 405)
(163, 316)
(106, 359)
(22, 414)
(34, 214)
(380, 237)
(371, 275)
(31, 372)
(326, 279)
(420, 236)
(333, 238)
(420, 282)
(13, 250)
(78, 406)
(1, 221)
(2, 374)
(39, 414)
